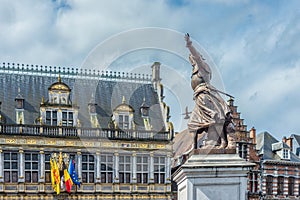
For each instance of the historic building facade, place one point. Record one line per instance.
(114, 125)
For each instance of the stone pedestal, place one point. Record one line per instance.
(213, 175)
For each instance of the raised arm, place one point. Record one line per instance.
(196, 56)
(192, 49)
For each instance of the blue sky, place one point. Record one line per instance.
(254, 46)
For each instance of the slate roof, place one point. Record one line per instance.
(264, 143)
(108, 94)
(296, 144)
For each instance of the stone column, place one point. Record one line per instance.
(1, 166)
(21, 165)
(134, 167)
(151, 168)
(42, 166)
(116, 167)
(98, 172)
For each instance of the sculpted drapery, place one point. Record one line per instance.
(210, 110)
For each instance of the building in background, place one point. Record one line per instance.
(114, 125)
(279, 168)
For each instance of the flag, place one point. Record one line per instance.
(55, 177)
(73, 173)
(68, 181)
(62, 180)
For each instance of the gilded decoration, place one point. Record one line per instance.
(10, 141)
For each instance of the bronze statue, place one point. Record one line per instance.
(211, 115)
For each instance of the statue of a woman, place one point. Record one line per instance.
(211, 114)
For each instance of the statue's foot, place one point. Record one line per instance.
(223, 145)
(231, 145)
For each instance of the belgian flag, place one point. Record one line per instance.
(68, 180)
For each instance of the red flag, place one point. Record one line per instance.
(68, 181)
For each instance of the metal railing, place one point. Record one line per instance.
(73, 72)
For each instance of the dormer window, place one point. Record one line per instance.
(51, 118)
(67, 118)
(123, 115)
(282, 150)
(285, 154)
(59, 110)
(123, 121)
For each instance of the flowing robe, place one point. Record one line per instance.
(210, 107)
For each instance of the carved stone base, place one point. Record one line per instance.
(213, 176)
(212, 151)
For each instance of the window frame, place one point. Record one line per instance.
(51, 120)
(269, 185)
(88, 174)
(107, 168)
(285, 154)
(280, 185)
(69, 119)
(13, 173)
(243, 150)
(125, 169)
(159, 169)
(47, 170)
(291, 186)
(142, 174)
(123, 121)
(31, 168)
(253, 181)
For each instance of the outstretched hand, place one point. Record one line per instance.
(187, 39)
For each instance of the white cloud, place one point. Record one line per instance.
(255, 44)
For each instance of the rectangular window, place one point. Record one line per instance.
(280, 182)
(51, 118)
(31, 167)
(269, 182)
(88, 168)
(243, 150)
(253, 182)
(142, 163)
(47, 168)
(67, 118)
(106, 168)
(291, 185)
(125, 169)
(285, 154)
(11, 166)
(159, 170)
(123, 121)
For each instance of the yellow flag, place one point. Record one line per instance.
(55, 177)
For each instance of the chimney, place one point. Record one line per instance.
(284, 139)
(156, 72)
(253, 135)
(289, 142)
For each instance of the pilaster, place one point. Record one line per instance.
(21, 165)
(116, 167)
